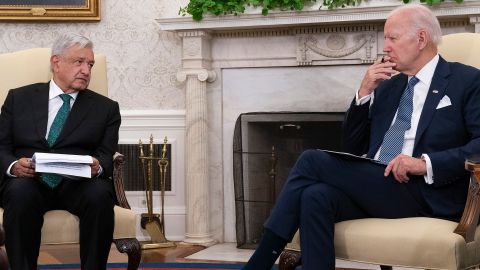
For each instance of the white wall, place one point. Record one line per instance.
(142, 60)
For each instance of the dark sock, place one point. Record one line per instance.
(267, 252)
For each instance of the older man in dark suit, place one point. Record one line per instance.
(417, 127)
(61, 116)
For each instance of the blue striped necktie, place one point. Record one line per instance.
(52, 180)
(393, 141)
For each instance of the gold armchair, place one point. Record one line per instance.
(60, 227)
(426, 243)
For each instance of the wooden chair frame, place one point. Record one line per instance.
(130, 246)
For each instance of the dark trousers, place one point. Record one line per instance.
(323, 189)
(25, 201)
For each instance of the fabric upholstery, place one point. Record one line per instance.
(461, 47)
(61, 227)
(427, 243)
(431, 243)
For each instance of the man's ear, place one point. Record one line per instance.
(54, 59)
(422, 39)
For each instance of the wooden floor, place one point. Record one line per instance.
(69, 253)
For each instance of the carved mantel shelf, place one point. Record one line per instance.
(470, 10)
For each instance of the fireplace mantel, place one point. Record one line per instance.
(368, 11)
(289, 56)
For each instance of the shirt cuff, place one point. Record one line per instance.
(10, 168)
(362, 100)
(100, 170)
(429, 177)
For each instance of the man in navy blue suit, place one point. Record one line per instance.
(429, 112)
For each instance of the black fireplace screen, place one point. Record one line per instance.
(265, 147)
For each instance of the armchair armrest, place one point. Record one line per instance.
(118, 163)
(469, 221)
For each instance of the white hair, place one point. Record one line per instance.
(68, 40)
(421, 18)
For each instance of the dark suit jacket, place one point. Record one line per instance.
(448, 135)
(91, 127)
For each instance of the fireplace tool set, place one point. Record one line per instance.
(154, 223)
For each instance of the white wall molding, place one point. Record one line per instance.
(140, 124)
(144, 119)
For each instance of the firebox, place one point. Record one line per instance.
(265, 147)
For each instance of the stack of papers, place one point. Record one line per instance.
(74, 165)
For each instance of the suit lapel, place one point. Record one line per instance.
(40, 100)
(434, 95)
(81, 107)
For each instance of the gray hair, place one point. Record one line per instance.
(421, 18)
(68, 40)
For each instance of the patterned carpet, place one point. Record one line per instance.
(151, 266)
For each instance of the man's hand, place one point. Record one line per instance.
(403, 165)
(95, 167)
(23, 168)
(380, 71)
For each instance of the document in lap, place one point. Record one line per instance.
(352, 156)
(69, 165)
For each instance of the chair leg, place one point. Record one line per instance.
(289, 259)
(131, 246)
(385, 267)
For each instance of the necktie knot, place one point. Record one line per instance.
(413, 81)
(65, 97)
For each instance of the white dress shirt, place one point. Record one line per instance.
(425, 76)
(55, 102)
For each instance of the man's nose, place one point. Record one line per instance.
(86, 68)
(386, 47)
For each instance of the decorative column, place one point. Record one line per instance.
(196, 73)
(475, 20)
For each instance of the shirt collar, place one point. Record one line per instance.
(56, 91)
(425, 74)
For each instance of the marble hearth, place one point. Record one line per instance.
(309, 61)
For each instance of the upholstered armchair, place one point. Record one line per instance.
(3, 254)
(60, 227)
(417, 242)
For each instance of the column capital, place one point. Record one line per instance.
(201, 73)
(475, 21)
(196, 49)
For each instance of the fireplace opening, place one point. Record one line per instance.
(265, 147)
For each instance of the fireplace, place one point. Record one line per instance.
(265, 147)
(306, 61)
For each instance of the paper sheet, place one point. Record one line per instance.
(74, 165)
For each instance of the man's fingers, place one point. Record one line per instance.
(398, 170)
(388, 169)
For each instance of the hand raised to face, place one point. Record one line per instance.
(380, 71)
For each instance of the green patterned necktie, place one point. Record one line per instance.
(52, 180)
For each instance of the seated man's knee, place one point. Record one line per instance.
(99, 193)
(312, 155)
(22, 192)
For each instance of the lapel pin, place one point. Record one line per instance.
(435, 91)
